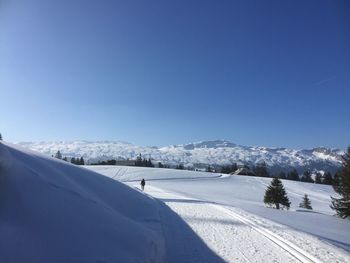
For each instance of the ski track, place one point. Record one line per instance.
(237, 237)
(230, 238)
(295, 251)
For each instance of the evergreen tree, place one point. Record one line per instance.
(65, 158)
(307, 177)
(227, 169)
(160, 165)
(261, 169)
(276, 195)
(209, 169)
(180, 166)
(327, 178)
(281, 175)
(293, 175)
(58, 155)
(81, 162)
(73, 160)
(0, 137)
(138, 161)
(306, 203)
(342, 186)
(318, 178)
(149, 163)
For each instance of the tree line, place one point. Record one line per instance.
(73, 160)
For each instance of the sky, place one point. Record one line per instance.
(266, 73)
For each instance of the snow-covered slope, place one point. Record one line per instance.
(52, 211)
(218, 152)
(246, 193)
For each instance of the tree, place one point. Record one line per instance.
(180, 166)
(307, 177)
(318, 178)
(73, 161)
(58, 155)
(65, 158)
(342, 186)
(276, 195)
(293, 175)
(209, 169)
(227, 169)
(261, 169)
(81, 161)
(306, 203)
(281, 175)
(0, 137)
(327, 178)
(160, 165)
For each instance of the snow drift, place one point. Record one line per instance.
(52, 211)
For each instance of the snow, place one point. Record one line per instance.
(319, 233)
(52, 211)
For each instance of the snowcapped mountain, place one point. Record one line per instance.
(199, 154)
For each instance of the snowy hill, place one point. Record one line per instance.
(219, 152)
(194, 195)
(52, 211)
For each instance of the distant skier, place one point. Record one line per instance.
(143, 183)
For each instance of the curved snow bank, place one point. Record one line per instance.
(52, 211)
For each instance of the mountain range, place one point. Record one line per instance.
(197, 155)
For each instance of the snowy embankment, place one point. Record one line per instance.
(244, 195)
(52, 211)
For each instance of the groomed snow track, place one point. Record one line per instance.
(294, 250)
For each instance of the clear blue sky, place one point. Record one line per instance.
(267, 73)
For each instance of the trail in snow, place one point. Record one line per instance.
(233, 236)
(232, 239)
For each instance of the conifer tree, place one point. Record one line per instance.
(73, 160)
(276, 195)
(81, 162)
(306, 203)
(342, 186)
(281, 175)
(293, 175)
(327, 178)
(261, 169)
(307, 177)
(0, 137)
(180, 166)
(58, 155)
(318, 178)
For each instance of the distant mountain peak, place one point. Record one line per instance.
(211, 152)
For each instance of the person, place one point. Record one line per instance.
(143, 182)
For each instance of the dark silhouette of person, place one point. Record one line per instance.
(143, 183)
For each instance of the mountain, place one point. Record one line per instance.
(199, 154)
